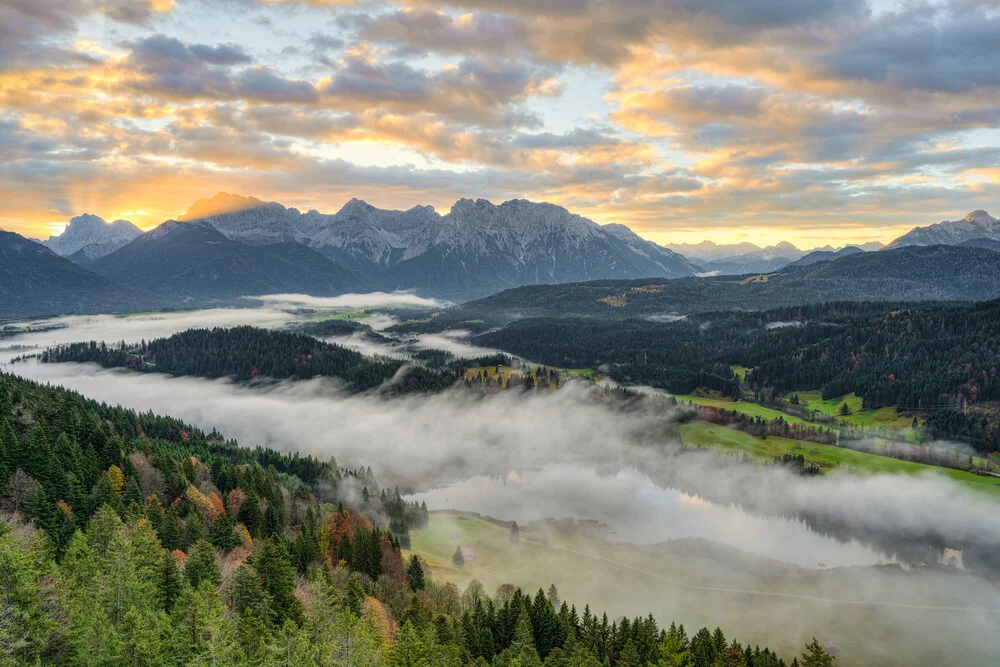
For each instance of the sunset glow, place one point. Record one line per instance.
(820, 122)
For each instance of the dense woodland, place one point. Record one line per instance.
(133, 539)
(935, 357)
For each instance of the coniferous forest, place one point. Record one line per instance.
(134, 539)
(932, 357)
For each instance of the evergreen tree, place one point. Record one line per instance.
(222, 533)
(169, 531)
(170, 581)
(274, 566)
(245, 595)
(816, 656)
(202, 564)
(415, 573)
(8, 446)
(458, 558)
(250, 515)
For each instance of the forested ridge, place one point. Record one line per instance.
(923, 357)
(241, 353)
(133, 539)
(931, 273)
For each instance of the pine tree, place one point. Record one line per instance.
(169, 532)
(415, 574)
(170, 581)
(8, 445)
(274, 566)
(244, 593)
(250, 515)
(816, 656)
(458, 558)
(222, 533)
(202, 564)
(515, 533)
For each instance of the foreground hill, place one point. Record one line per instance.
(195, 262)
(35, 281)
(906, 274)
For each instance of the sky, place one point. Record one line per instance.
(815, 121)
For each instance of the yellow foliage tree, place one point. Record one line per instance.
(117, 478)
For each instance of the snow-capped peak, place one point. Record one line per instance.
(93, 233)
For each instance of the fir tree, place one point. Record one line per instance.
(415, 573)
(816, 656)
(202, 564)
(458, 558)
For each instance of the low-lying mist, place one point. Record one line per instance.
(524, 456)
(423, 441)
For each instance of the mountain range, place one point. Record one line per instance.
(476, 249)
(230, 246)
(736, 259)
(976, 225)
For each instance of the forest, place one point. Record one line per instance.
(134, 539)
(247, 353)
(932, 357)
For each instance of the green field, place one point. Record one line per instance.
(752, 409)
(827, 457)
(882, 418)
(344, 314)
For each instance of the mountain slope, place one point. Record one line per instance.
(989, 244)
(825, 255)
(35, 281)
(89, 237)
(194, 261)
(976, 225)
(906, 274)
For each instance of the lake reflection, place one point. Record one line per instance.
(639, 511)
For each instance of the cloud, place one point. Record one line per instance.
(371, 300)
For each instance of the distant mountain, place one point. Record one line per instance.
(826, 255)
(476, 249)
(977, 225)
(744, 264)
(480, 248)
(35, 281)
(195, 262)
(88, 237)
(905, 274)
(708, 251)
(245, 219)
(988, 244)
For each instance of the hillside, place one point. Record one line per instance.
(193, 261)
(905, 274)
(35, 281)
